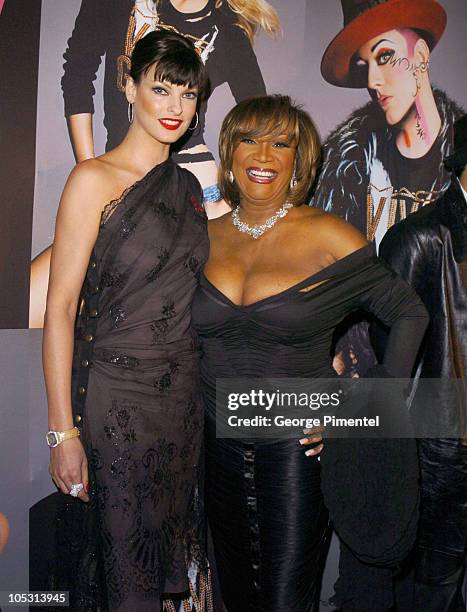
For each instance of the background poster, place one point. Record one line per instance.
(37, 157)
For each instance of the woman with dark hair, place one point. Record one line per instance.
(279, 278)
(125, 416)
(223, 32)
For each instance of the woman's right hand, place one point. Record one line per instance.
(69, 465)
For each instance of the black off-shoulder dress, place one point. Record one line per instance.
(265, 507)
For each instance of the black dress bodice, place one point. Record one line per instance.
(291, 333)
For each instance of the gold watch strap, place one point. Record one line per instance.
(54, 438)
(68, 434)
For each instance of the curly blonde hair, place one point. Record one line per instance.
(252, 15)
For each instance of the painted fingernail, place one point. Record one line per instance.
(310, 452)
(303, 440)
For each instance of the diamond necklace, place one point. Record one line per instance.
(256, 231)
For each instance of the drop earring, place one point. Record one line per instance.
(293, 181)
(230, 176)
(196, 124)
(130, 112)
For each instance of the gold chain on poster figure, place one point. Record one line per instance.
(123, 61)
(372, 220)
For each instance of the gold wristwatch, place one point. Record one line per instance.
(54, 438)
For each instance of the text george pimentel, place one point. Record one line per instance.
(282, 421)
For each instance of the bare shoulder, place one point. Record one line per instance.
(91, 177)
(339, 237)
(90, 186)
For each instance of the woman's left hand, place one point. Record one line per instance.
(313, 437)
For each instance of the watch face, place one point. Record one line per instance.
(52, 438)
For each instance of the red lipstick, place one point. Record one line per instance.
(170, 124)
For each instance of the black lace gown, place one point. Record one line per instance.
(264, 501)
(136, 399)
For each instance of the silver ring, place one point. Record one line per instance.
(76, 489)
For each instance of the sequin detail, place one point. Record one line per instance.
(161, 326)
(192, 263)
(168, 308)
(120, 360)
(117, 314)
(109, 279)
(159, 330)
(127, 226)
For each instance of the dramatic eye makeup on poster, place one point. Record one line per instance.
(394, 76)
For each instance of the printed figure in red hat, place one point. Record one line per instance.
(385, 161)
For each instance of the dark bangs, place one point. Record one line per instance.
(174, 59)
(182, 68)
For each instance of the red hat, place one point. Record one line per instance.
(365, 19)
